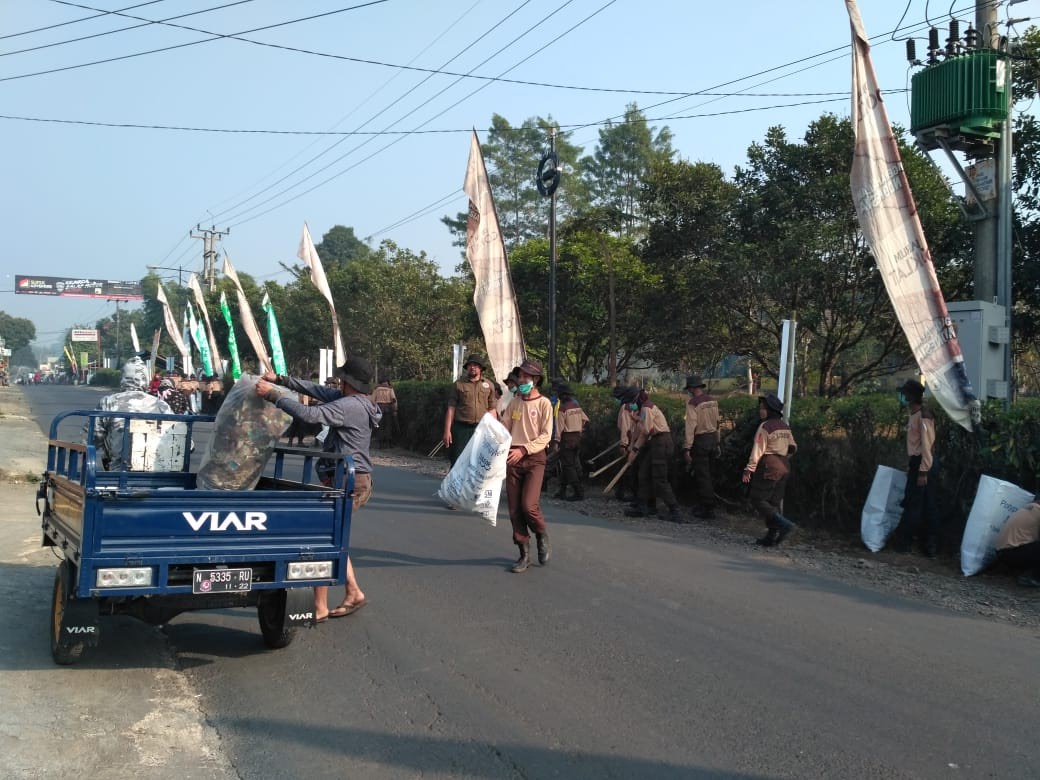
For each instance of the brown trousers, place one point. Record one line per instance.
(523, 491)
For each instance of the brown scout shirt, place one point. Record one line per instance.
(1023, 527)
(570, 418)
(472, 400)
(384, 395)
(529, 422)
(773, 437)
(649, 421)
(920, 437)
(702, 416)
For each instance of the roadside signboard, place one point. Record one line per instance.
(78, 288)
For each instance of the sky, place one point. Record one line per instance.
(91, 196)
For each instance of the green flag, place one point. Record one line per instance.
(277, 356)
(236, 367)
(198, 335)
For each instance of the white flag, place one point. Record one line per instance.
(246, 314)
(309, 255)
(486, 252)
(888, 218)
(196, 290)
(171, 323)
(133, 338)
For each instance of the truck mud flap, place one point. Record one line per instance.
(79, 623)
(299, 607)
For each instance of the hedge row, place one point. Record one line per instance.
(841, 442)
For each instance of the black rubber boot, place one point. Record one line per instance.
(783, 526)
(638, 509)
(561, 493)
(544, 550)
(524, 560)
(770, 538)
(579, 494)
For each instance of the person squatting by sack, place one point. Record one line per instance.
(471, 398)
(1018, 545)
(920, 520)
(650, 447)
(769, 467)
(528, 418)
(351, 416)
(133, 396)
(701, 443)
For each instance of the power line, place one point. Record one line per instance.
(77, 21)
(442, 131)
(214, 37)
(370, 119)
(146, 23)
(357, 107)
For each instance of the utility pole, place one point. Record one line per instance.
(548, 180)
(119, 340)
(986, 228)
(209, 237)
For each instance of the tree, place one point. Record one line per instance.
(801, 254)
(340, 246)
(688, 208)
(588, 261)
(616, 170)
(17, 332)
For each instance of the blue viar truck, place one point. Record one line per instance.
(144, 541)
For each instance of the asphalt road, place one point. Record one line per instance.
(629, 656)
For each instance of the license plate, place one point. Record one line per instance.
(221, 580)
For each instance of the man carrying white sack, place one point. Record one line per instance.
(351, 417)
(1018, 545)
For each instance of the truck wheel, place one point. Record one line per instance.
(270, 610)
(63, 654)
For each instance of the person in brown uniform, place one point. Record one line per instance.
(1018, 544)
(570, 424)
(650, 441)
(471, 398)
(528, 418)
(386, 399)
(919, 520)
(701, 443)
(768, 468)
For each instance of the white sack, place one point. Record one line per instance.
(883, 508)
(995, 501)
(474, 483)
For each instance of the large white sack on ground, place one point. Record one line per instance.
(245, 433)
(474, 483)
(883, 508)
(995, 501)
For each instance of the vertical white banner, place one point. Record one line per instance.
(171, 322)
(245, 314)
(486, 252)
(309, 255)
(888, 218)
(200, 300)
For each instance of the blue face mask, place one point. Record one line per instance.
(903, 401)
(617, 402)
(525, 388)
(634, 407)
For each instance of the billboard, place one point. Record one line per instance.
(78, 288)
(84, 334)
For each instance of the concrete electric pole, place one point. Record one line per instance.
(209, 237)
